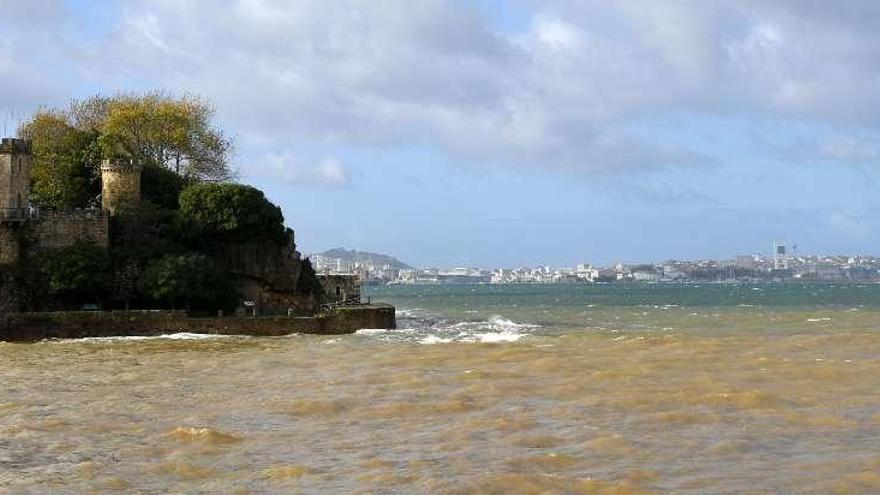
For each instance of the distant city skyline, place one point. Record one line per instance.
(780, 266)
(330, 260)
(505, 133)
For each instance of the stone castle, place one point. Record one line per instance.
(267, 275)
(55, 229)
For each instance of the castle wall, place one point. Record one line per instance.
(9, 243)
(55, 230)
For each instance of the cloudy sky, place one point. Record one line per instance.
(484, 132)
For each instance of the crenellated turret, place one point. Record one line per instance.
(15, 177)
(120, 184)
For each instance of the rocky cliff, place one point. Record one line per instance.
(270, 275)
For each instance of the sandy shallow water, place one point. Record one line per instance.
(575, 411)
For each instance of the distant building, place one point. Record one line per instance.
(746, 262)
(780, 257)
(341, 289)
(645, 274)
(673, 272)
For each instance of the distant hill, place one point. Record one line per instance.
(364, 257)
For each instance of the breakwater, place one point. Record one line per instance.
(28, 327)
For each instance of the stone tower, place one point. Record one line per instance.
(15, 177)
(120, 184)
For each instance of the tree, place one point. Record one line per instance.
(308, 280)
(143, 233)
(173, 137)
(188, 277)
(158, 129)
(231, 212)
(77, 272)
(65, 169)
(124, 281)
(162, 186)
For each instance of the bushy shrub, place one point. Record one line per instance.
(191, 278)
(230, 212)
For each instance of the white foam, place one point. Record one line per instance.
(371, 331)
(501, 322)
(433, 339)
(134, 338)
(489, 338)
(813, 320)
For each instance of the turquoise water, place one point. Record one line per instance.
(440, 310)
(456, 297)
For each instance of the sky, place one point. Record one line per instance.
(505, 133)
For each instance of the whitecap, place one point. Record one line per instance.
(500, 321)
(135, 338)
(489, 338)
(370, 331)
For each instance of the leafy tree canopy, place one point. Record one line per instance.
(158, 129)
(173, 137)
(78, 269)
(142, 233)
(65, 169)
(186, 277)
(162, 186)
(231, 212)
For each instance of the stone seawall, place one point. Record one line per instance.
(29, 327)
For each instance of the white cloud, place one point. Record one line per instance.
(563, 93)
(331, 171)
(287, 168)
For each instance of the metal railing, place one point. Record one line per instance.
(351, 300)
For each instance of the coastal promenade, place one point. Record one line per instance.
(30, 327)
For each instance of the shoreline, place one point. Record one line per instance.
(34, 327)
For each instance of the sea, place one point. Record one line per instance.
(521, 389)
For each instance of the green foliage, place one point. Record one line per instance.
(65, 169)
(124, 281)
(231, 212)
(79, 270)
(167, 248)
(186, 277)
(161, 130)
(143, 233)
(308, 280)
(162, 186)
(173, 137)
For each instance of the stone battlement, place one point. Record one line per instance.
(14, 146)
(120, 165)
(75, 214)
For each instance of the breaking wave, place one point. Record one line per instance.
(168, 336)
(422, 327)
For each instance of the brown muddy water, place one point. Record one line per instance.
(567, 409)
